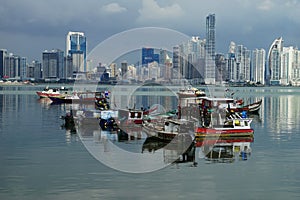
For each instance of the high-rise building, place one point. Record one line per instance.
(258, 65)
(243, 60)
(239, 63)
(124, 69)
(38, 73)
(221, 68)
(296, 68)
(76, 47)
(53, 64)
(3, 53)
(23, 68)
(11, 66)
(232, 68)
(290, 66)
(148, 56)
(274, 61)
(193, 54)
(176, 62)
(113, 68)
(209, 73)
(68, 67)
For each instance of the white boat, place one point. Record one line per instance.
(190, 92)
(52, 92)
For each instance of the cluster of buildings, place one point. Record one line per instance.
(56, 64)
(195, 61)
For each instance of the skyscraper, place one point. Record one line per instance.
(176, 62)
(23, 68)
(274, 61)
(258, 65)
(243, 59)
(3, 53)
(53, 64)
(148, 56)
(76, 47)
(209, 73)
(124, 69)
(11, 66)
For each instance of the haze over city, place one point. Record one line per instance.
(29, 27)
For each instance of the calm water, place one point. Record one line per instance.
(40, 160)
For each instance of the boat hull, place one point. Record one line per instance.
(46, 95)
(215, 132)
(61, 99)
(160, 134)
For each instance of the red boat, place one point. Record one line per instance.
(217, 121)
(52, 92)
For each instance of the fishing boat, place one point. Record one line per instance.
(169, 129)
(108, 120)
(101, 100)
(234, 126)
(252, 108)
(124, 119)
(190, 92)
(52, 92)
(131, 116)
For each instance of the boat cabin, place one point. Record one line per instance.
(131, 116)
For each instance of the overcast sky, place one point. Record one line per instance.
(28, 27)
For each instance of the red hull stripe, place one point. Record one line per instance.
(229, 131)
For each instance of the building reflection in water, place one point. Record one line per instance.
(282, 115)
(143, 97)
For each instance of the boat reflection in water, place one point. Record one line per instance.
(225, 150)
(135, 152)
(178, 150)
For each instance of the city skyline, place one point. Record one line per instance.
(28, 29)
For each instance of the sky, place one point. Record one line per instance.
(28, 27)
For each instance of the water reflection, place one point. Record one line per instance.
(225, 150)
(282, 115)
(212, 150)
(176, 151)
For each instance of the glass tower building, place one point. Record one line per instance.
(274, 61)
(53, 64)
(209, 76)
(76, 47)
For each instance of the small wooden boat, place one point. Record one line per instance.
(169, 129)
(252, 108)
(190, 92)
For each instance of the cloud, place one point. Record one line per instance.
(151, 11)
(113, 8)
(265, 5)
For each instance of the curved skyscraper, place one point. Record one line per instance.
(274, 61)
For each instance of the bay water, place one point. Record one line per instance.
(41, 160)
